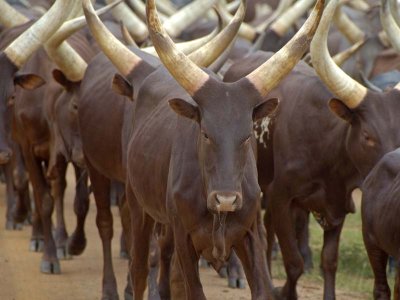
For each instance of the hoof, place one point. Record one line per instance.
(111, 297)
(123, 254)
(236, 283)
(75, 245)
(128, 296)
(223, 272)
(203, 263)
(36, 245)
(11, 225)
(62, 253)
(48, 267)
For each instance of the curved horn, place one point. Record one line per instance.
(359, 5)
(290, 16)
(127, 36)
(122, 58)
(135, 26)
(9, 16)
(369, 84)
(206, 55)
(190, 46)
(22, 48)
(166, 7)
(283, 5)
(185, 72)
(390, 25)
(140, 8)
(269, 74)
(179, 21)
(394, 8)
(339, 83)
(347, 27)
(343, 56)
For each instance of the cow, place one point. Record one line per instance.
(165, 167)
(379, 213)
(324, 156)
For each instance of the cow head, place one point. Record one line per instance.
(225, 112)
(372, 116)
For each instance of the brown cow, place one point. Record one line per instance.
(206, 163)
(319, 160)
(380, 220)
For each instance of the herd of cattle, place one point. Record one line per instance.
(219, 113)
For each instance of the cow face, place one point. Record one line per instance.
(374, 127)
(65, 141)
(8, 81)
(225, 116)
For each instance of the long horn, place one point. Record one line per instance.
(22, 48)
(179, 21)
(66, 58)
(191, 46)
(206, 55)
(290, 16)
(283, 5)
(269, 74)
(140, 8)
(129, 41)
(185, 72)
(339, 83)
(343, 56)
(347, 27)
(359, 5)
(394, 8)
(369, 84)
(9, 16)
(122, 58)
(166, 7)
(390, 26)
(246, 31)
(135, 26)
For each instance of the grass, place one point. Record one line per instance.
(354, 272)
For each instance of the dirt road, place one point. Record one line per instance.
(20, 278)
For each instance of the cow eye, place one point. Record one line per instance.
(368, 139)
(205, 135)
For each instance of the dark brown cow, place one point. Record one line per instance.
(320, 158)
(380, 220)
(207, 163)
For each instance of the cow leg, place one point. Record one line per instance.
(188, 262)
(251, 252)
(302, 233)
(58, 186)
(104, 221)
(378, 260)
(142, 231)
(177, 283)
(396, 292)
(329, 260)
(44, 205)
(154, 258)
(285, 231)
(236, 277)
(77, 241)
(271, 243)
(166, 244)
(10, 196)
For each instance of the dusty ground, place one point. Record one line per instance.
(20, 278)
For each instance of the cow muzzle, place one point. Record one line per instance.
(5, 156)
(224, 201)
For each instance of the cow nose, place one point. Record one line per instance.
(5, 156)
(224, 201)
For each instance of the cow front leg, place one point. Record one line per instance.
(302, 232)
(285, 231)
(10, 196)
(77, 241)
(236, 277)
(58, 186)
(142, 226)
(329, 260)
(104, 222)
(166, 244)
(188, 262)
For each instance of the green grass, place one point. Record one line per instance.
(354, 272)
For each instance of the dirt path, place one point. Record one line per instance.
(20, 278)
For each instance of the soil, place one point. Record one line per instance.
(20, 278)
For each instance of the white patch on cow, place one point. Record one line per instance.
(261, 129)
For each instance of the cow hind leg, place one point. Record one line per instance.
(104, 221)
(10, 196)
(236, 278)
(77, 241)
(166, 244)
(302, 233)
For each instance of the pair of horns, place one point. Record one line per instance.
(264, 78)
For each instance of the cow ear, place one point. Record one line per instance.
(341, 110)
(29, 81)
(265, 109)
(61, 79)
(185, 109)
(122, 87)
